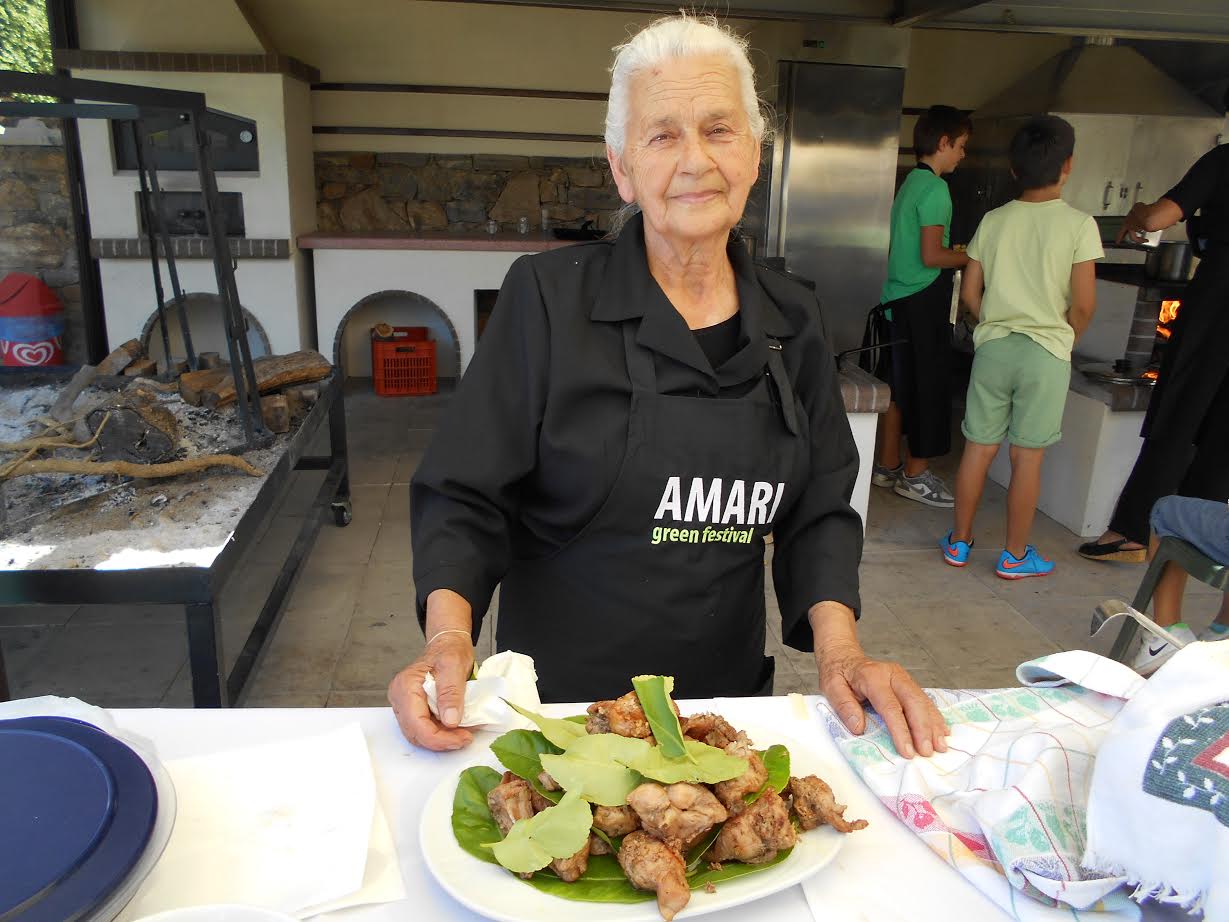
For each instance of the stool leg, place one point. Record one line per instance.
(1126, 636)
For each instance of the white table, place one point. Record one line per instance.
(879, 871)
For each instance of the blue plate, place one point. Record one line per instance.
(135, 807)
(56, 804)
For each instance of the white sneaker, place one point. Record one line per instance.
(925, 488)
(1207, 635)
(1155, 652)
(886, 476)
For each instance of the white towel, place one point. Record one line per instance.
(1005, 805)
(1158, 808)
(506, 676)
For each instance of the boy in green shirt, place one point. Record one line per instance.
(916, 301)
(1035, 258)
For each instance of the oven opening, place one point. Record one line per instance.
(484, 306)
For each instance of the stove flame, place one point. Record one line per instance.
(1169, 313)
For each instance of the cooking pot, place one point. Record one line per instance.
(1170, 262)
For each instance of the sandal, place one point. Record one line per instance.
(1113, 550)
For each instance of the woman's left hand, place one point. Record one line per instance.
(848, 678)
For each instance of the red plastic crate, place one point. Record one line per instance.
(404, 363)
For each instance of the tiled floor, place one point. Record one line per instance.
(350, 622)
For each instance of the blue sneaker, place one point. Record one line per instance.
(955, 553)
(1031, 564)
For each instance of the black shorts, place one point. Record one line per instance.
(921, 366)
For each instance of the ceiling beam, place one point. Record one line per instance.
(914, 12)
(728, 10)
(257, 27)
(1080, 31)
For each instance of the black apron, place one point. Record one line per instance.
(640, 590)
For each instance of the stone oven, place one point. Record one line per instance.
(269, 198)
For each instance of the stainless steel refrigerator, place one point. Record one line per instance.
(833, 178)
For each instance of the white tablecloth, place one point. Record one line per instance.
(882, 874)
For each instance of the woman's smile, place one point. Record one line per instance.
(696, 198)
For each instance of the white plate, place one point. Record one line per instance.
(220, 912)
(495, 893)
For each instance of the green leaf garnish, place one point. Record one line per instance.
(705, 764)
(557, 832)
(472, 824)
(602, 882)
(559, 732)
(601, 782)
(654, 694)
(776, 761)
(730, 870)
(520, 752)
(697, 852)
(614, 844)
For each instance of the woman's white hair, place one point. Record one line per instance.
(680, 36)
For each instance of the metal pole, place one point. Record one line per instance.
(168, 248)
(152, 240)
(246, 392)
(62, 22)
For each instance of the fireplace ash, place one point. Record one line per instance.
(86, 518)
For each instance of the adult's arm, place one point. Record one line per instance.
(817, 542)
(817, 547)
(464, 496)
(1183, 200)
(1143, 218)
(848, 677)
(463, 499)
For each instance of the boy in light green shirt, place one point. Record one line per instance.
(1035, 258)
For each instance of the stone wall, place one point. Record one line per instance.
(360, 191)
(36, 226)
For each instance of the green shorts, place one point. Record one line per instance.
(1017, 391)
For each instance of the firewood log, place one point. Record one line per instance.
(141, 367)
(276, 412)
(272, 372)
(121, 358)
(192, 383)
(210, 360)
(301, 398)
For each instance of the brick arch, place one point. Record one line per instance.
(151, 334)
(409, 297)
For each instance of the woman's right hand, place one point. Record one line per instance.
(450, 658)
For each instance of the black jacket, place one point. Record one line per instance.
(532, 442)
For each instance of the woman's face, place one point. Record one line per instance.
(689, 157)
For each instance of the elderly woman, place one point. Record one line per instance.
(642, 413)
